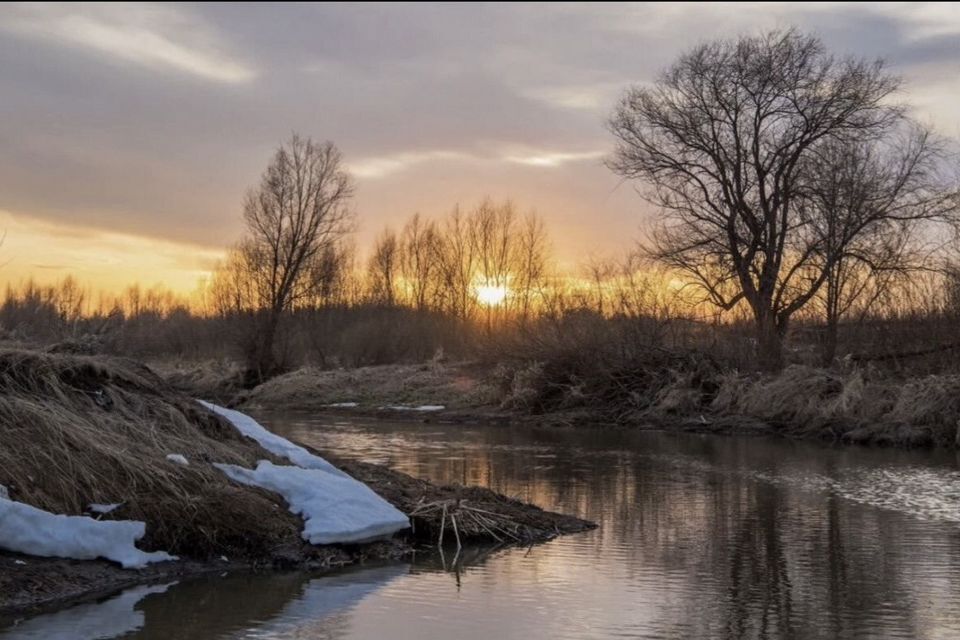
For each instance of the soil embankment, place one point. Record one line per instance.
(77, 431)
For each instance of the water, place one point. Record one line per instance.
(700, 537)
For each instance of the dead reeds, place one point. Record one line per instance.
(76, 430)
(466, 521)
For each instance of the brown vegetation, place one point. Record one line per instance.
(78, 429)
(453, 386)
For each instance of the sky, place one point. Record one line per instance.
(129, 133)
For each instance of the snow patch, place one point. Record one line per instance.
(103, 508)
(273, 443)
(344, 405)
(178, 459)
(335, 508)
(36, 532)
(423, 407)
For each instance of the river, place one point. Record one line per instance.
(699, 537)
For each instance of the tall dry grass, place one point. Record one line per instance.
(76, 430)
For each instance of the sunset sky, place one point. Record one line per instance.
(128, 133)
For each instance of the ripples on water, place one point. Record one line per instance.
(700, 537)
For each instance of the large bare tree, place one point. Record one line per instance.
(722, 140)
(294, 217)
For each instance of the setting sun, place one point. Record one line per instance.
(490, 295)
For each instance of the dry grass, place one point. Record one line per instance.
(639, 385)
(848, 405)
(453, 513)
(451, 385)
(214, 380)
(76, 430)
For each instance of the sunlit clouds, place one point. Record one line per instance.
(592, 97)
(379, 167)
(152, 120)
(158, 37)
(106, 260)
(553, 158)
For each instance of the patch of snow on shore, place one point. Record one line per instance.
(103, 508)
(26, 529)
(344, 405)
(272, 442)
(334, 508)
(177, 458)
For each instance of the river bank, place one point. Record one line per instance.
(855, 406)
(697, 532)
(103, 440)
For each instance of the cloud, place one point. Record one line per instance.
(109, 259)
(380, 166)
(923, 20)
(159, 37)
(590, 97)
(552, 159)
(432, 105)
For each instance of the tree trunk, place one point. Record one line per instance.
(261, 363)
(769, 343)
(829, 349)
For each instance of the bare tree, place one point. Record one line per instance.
(383, 269)
(533, 251)
(299, 210)
(457, 261)
(328, 281)
(722, 139)
(869, 207)
(418, 263)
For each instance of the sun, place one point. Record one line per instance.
(491, 295)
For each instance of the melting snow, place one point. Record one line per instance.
(273, 443)
(103, 508)
(178, 459)
(36, 532)
(334, 508)
(344, 405)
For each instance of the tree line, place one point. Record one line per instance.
(790, 187)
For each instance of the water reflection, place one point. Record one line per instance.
(111, 618)
(701, 537)
(287, 605)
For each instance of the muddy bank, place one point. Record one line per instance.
(30, 584)
(417, 389)
(79, 432)
(853, 405)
